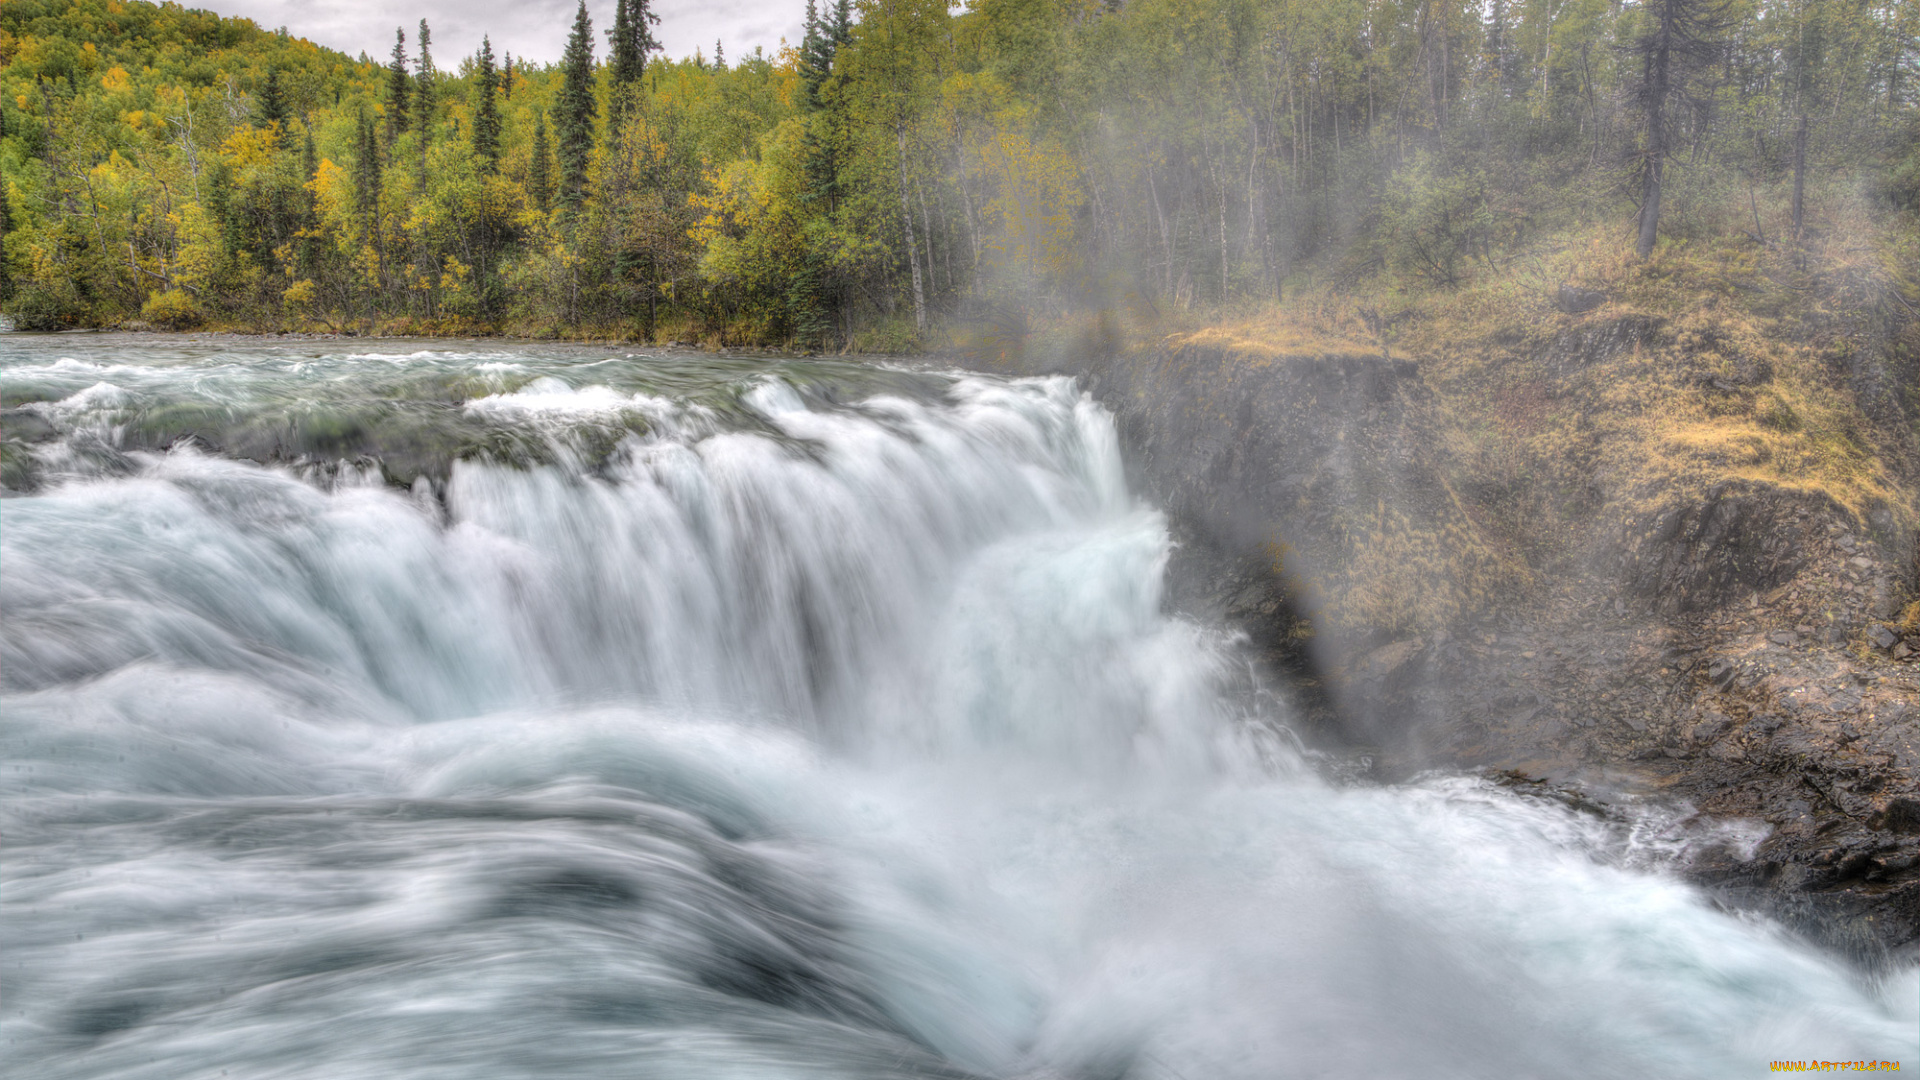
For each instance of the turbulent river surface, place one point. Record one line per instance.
(473, 710)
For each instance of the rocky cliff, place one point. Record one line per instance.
(1609, 554)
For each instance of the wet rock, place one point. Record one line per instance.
(1901, 815)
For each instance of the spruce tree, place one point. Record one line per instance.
(540, 172)
(719, 56)
(816, 57)
(273, 105)
(486, 116)
(842, 28)
(366, 169)
(6, 226)
(309, 250)
(630, 40)
(623, 62)
(575, 111)
(399, 87)
(423, 85)
(506, 77)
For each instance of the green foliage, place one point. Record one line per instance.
(909, 165)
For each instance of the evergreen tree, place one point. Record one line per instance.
(366, 169)
(486, 116)
(506, 77)
(540, 172)
(630, 40)
(273, 105)
(6, 226)
(423, 86)
(719, 56)
(575, 111)
(841, 31)
(623, 61)
(816, 57)
(1677, 39)
(399, 87)
(309, 224)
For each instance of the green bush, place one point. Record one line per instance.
(35, 308)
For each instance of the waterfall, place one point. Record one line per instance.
(480, 711)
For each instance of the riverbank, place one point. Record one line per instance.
(1651, 536)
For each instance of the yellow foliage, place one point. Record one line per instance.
(171, 310)
(299, 295)
(250, 148)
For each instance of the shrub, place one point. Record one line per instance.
(171, 310)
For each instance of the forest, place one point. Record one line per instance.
(908, 168)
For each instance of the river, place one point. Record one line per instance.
(476, 709)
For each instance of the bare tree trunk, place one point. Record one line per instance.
(1166, 236)
(906, 222)
(926, 233)
(973, 228)
(1660, 61)
(1799, 175)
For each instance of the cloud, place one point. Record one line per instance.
(534, 29)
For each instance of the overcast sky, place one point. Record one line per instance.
(536, 29)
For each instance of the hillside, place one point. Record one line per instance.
(909, 176)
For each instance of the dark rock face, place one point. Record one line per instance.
(1704, 554)
(1282, 475)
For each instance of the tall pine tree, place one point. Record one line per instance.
(6, 226)
(366, 169)
(841, 30)
(273, 105)
(816, 57)
(486, 115)
(575, 111)
(399, 87)
(630, 40)
(423, 85)
(310, 242)
(540, 171)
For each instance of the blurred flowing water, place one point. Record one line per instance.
(481, 710)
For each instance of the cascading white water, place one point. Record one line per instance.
(739, 718)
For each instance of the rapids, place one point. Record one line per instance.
(475, 710)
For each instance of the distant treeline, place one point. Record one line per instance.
(903, 166)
